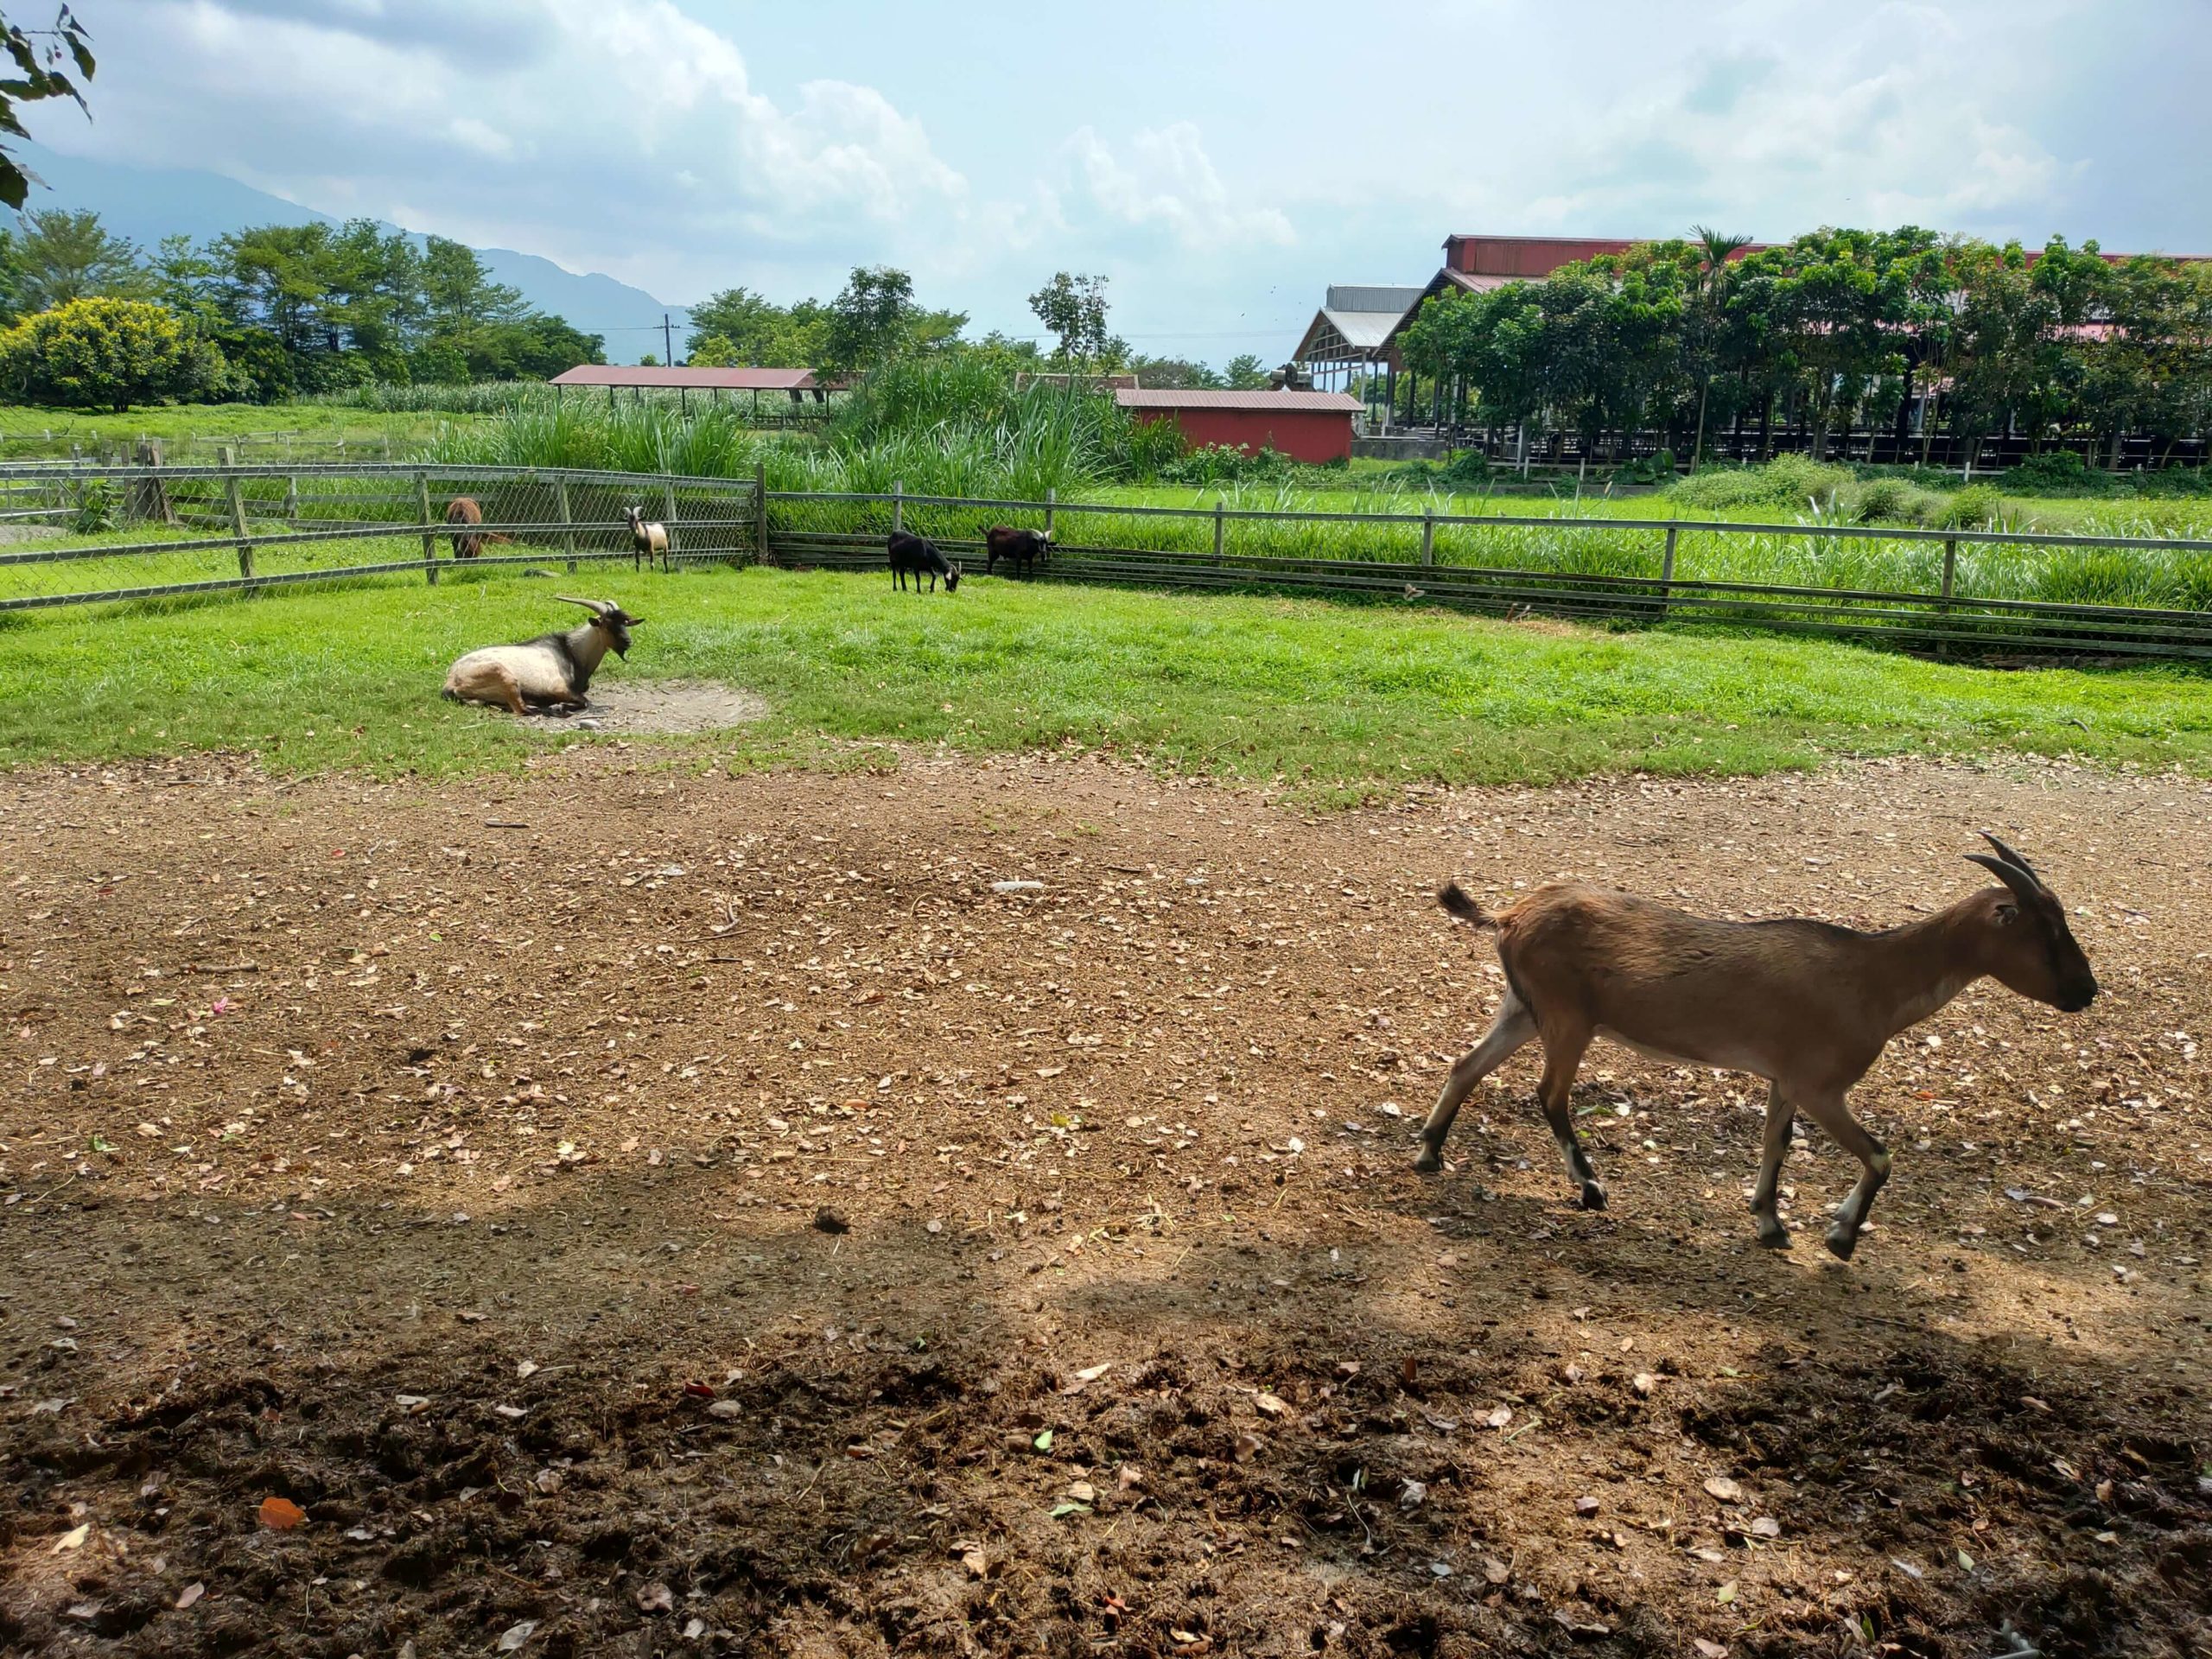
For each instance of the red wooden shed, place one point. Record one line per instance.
(1308, 426)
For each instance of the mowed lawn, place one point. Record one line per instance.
(1336, 699)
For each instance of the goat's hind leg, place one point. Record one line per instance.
(1563, 1050)
(1780, 1115)
(1508, 1033)
(1831, 1114)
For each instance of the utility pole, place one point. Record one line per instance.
(667, 340)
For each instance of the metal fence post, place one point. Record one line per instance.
(1219, 522)
(760, 510)
(229, 459)
(1429, 535)
(897, 506)
(567, 535)
(668, 518)
(1666, 573)
(429, 541)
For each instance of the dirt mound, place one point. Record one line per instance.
(464, 1187)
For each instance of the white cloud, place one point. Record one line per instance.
(1168, 183)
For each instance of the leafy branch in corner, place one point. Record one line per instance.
(38, 55)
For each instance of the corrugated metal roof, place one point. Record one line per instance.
(1271, 402)
(617, 374)
(1367, 296)
(1365, 330)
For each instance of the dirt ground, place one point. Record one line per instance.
(631, 1210)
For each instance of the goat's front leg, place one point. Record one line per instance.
(1563, 1050)
(1780, 1115)
(1830, 1111)
(1507, 1034)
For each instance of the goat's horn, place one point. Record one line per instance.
(2021, 882)
(2012, 858)
(596, 606)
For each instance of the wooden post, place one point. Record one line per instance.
(1220, 522)
(429, 541)
(1429, 535)
(150, 496)
(1950, 583)
(668, 520)
(897, 506)
(1666, 573)
(760, 510)
(1051, 501)
(568, 536)
(229, 459)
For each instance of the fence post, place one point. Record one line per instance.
(151, 495)
(429, 541)
(1051, 501)
(292, 502)
(668, 518)
(1667, 574)
(760, 510)
(1429, 535)
(228, 457)
(1220, 521)
(898, 506)
(567, 535)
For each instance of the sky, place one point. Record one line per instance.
(1219, 163)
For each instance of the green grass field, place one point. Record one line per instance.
(1337, 700)
(30, 433)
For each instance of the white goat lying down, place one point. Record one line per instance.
(549, 674)
(1806, 1005)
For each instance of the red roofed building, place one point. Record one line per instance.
(1308, 426)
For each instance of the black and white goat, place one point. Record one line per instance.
(648, 541)
(546, 675)
(917, 556)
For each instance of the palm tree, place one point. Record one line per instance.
(1718, 249)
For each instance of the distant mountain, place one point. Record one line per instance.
(147, 204)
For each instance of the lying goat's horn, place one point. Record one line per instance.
(596, 606)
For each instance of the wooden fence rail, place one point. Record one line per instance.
(256, 515)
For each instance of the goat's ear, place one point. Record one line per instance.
(2021, 882)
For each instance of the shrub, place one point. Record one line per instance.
(2056, 472)
(1786, 482)
(101, 353)
(1975, 507)
(1889, 501)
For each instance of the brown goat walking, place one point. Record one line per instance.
(462, 510)
(1806, 1005)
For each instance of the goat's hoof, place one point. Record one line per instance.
(1840, 1243)
(1772, 1234)
(1593, 1195)
(1429, 1161)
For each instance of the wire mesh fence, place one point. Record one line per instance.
(1996, 591)
(76, 535)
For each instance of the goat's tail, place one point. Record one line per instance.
(1462, 908)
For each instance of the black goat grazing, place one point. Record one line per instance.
(917, 556)
(1025, 549)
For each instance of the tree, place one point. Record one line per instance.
(98, 354)
(1245, 372)
(870, 319)
(56, 257)
(39, 77)
(1173, 373)
(1716, 250)
(1073, 309)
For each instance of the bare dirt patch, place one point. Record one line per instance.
(712, 1219)
(641, 708)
